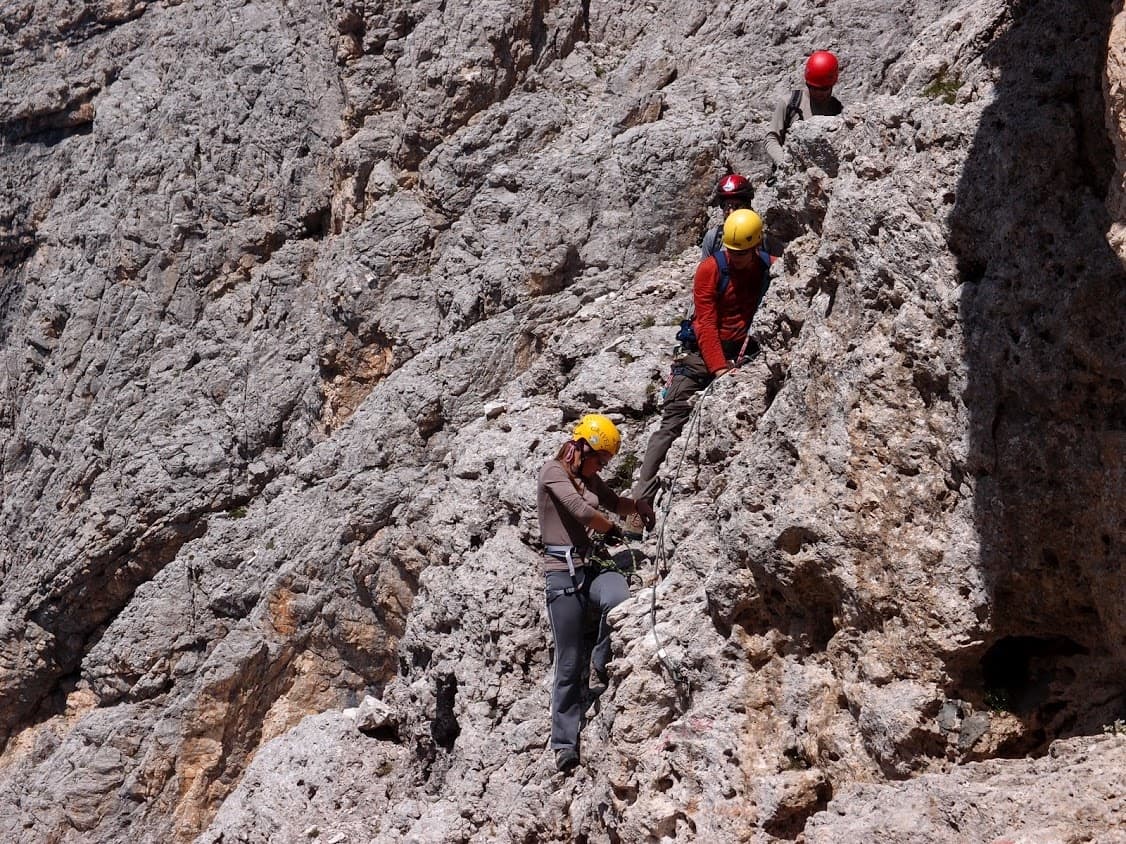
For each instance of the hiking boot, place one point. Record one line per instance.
(566, 759)
(633, 528)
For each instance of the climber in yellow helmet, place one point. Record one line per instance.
(568, 494)
(726, 292)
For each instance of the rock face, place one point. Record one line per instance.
(295, 299)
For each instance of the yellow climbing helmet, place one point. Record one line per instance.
(742, 230)
(599, 432)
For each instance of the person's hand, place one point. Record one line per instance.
(614, 534)
(727, 370)
(645, 511)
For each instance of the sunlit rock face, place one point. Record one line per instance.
(295, 300)
(1114, 89)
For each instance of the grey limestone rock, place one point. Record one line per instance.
(295, 300)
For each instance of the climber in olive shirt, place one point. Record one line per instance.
(566, 497)
(821, 74)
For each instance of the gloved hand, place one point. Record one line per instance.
(645, 511)
(614, 534)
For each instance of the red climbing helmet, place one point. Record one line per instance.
(821, 70)
(733, 186)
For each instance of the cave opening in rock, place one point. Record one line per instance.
(1019, 672)
(1050, 684)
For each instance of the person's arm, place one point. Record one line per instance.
(772, 143)
(563, 491)
(608, 499)
(620, 504)
(706, 322)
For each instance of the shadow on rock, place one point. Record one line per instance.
(1043, 303)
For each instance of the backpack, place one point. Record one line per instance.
(686, 336)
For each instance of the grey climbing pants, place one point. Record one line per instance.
(602, 590)
(690, 377)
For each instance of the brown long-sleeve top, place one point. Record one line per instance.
(566, 506)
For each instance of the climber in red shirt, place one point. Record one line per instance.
(726, 292)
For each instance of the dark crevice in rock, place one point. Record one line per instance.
(789, 823)
(420, 657)
(1017, 670)
(52, 134)
(94, 20)
(775, 380)
(384, 732)
(444, 728)
(1039, 679)
(316, 225)
(537, 32)
(16, 246)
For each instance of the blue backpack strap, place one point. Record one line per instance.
(712, 242)
(724, 273)
(725, 276)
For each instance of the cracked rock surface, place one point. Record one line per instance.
(295, 299)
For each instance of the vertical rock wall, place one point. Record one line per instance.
(1041, 300)
(295, 301)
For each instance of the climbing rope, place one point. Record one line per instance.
(661, 560)
(692, 426)
(662, 655)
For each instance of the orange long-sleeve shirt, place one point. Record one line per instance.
(727, 318)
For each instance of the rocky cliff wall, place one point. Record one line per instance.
(296, 299)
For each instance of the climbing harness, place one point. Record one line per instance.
(566, 552)
(596, 559)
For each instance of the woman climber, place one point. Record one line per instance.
(567, 495)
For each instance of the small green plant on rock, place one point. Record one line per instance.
(623, 471)
(944, 88)
(997, 699)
